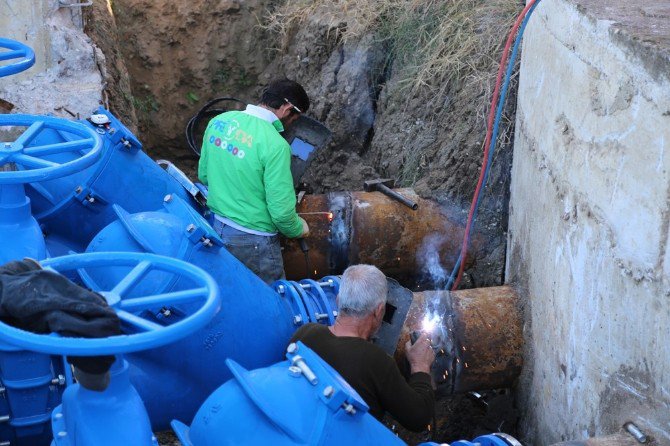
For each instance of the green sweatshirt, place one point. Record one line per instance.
(246, 164)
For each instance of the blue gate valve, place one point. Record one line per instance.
(33, 157)
(23, 55)
(117, 415)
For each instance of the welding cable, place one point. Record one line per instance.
(494, 138)
(492, 130)
(204, 112)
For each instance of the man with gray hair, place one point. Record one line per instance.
(366, 367)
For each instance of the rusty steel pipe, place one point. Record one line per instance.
(347, 228)
(476, 332)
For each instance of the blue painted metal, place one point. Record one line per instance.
(23, 56)
(202, 290)
(29, 160)
(279, 405)
(253, 327)
(72, 210)
(113, 417)
(116, 416)
(40, 162)
(484, 440)
(32, 384)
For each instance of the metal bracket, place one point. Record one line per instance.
(87, 197)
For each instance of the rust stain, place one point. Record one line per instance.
(486, 336)
(380, 231)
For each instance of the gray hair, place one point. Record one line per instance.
(362, 289)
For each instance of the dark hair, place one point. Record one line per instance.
(279, 91)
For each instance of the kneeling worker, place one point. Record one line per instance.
(246, 164)
(366, 367)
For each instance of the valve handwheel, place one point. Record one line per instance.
(32, 161)
(143, 333)
(24, 54)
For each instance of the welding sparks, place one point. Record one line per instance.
(430, 322)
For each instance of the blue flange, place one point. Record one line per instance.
(24, 54)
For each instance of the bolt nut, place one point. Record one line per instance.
(328, 391)
(292, 347)
(78, 190)
(281, 289)
(58, 381)
(297, 320)
(168, 198)
(294, 371)
(348, 408)
(62, 434)
(190, 228)
(207, 242)
(58, 415)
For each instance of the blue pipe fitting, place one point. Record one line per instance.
(298, 401)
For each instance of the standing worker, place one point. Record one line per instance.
(246, 164)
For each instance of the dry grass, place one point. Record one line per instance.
(433, 44)
(442, 53)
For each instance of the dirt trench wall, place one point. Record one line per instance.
(589, 219)
(179, 54)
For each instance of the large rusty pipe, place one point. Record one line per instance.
(476, 332)
(347, 228)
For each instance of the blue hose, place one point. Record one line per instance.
(496, 127)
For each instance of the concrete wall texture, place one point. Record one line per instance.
(66, 79)
(590, 219)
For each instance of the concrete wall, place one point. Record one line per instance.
(34, 33)
(590, 219)
(66, 79)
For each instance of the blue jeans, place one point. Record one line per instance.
(261, 254)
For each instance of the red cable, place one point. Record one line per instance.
(487, 142)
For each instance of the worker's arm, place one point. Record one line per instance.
(202, 164)
(279, 193)
(412, 402)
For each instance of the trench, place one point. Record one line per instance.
(353, 84)
(156, 81)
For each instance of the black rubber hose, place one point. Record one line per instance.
(205, 112)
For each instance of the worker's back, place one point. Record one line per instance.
(246, 164)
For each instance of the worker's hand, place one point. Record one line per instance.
(420, 355)
(305, 228)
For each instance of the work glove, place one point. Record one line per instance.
(305, 228)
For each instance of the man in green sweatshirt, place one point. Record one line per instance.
(246, 164)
